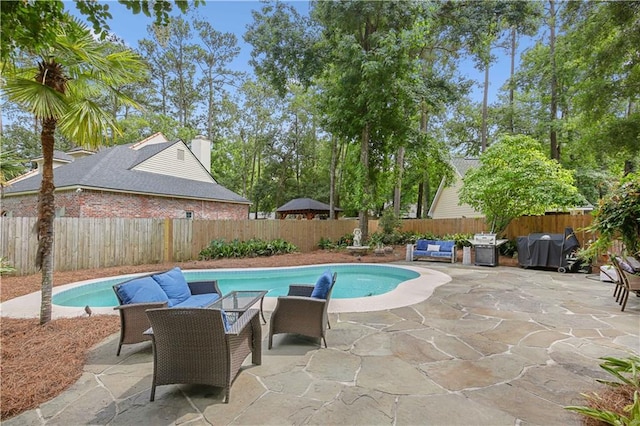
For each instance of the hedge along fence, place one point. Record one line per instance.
(90, 243)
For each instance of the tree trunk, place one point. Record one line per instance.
(514, 34)
(419, 201)
(332, 177)
(363, 215)
(46, 215)
(397, 192)
(485, 109)
(426, 197)
(553, 109)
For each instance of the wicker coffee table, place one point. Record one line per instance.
(238, 302)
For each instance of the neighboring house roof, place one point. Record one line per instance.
(462, 165)
(445, 204)
(118, 169)
(57, 156)
(304, 204)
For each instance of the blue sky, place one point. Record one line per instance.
(234, 16)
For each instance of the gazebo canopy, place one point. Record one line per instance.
(304, 206)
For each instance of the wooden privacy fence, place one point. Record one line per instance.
(89, 243)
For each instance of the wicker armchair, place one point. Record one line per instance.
(133, 317)
(629, 282)
(300, 313)
(191, 345)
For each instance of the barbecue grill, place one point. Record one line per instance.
(550, 251)
(486, 249)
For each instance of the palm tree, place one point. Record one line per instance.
(71, 74)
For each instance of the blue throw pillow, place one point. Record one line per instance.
(141, 290)
(321, 288)
(174, 284)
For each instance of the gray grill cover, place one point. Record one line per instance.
(546, 250)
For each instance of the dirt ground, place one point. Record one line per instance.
(40, 362)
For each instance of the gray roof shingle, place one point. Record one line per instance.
(111, 169)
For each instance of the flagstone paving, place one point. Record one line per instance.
(495, 346)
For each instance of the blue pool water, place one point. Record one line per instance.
(353, 281)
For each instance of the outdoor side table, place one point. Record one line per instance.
(238, 302)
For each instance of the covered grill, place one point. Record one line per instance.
(548, 250)
(486, 249)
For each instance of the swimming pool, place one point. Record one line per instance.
(354, 281)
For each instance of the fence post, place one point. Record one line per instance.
(168, 240)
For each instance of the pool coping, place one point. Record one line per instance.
(406, 293)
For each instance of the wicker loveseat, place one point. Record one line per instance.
(435, 249)
(155, 291)
(193, 346)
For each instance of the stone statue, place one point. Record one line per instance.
(357, 236)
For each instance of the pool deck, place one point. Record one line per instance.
(493, 346)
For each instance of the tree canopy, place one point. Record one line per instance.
(516, 179)
(362, 104)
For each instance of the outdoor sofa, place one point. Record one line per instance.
(435, 249)
(157, 290)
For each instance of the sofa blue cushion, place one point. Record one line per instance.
(422, 244)
(141, 290)
(446, 245)
(175, 285)
(322, 286)
(198, 301)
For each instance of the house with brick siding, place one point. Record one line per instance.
(153, 178)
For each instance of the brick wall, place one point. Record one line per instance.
(103, 204)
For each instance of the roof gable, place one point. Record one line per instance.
(446, 201)
(171, 159)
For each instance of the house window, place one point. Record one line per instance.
(189, 214)
(181, 154)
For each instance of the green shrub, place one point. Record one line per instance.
(627, 371)
(326, 244)
(389, 222)
(510, 248)
(5, 266)
(218, 249)
(462, 240)
(345, 240)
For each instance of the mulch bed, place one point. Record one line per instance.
(39, 362)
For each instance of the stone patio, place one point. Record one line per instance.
(495, 346)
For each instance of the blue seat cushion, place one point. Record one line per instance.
(141, 290)
(175, 285)
(198, 301)
(322, 286)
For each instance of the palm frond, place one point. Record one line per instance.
(41, 100)
(87, 123)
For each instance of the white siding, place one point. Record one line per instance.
(447, 207)
(167, 163)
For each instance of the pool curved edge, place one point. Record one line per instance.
(407, 293)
